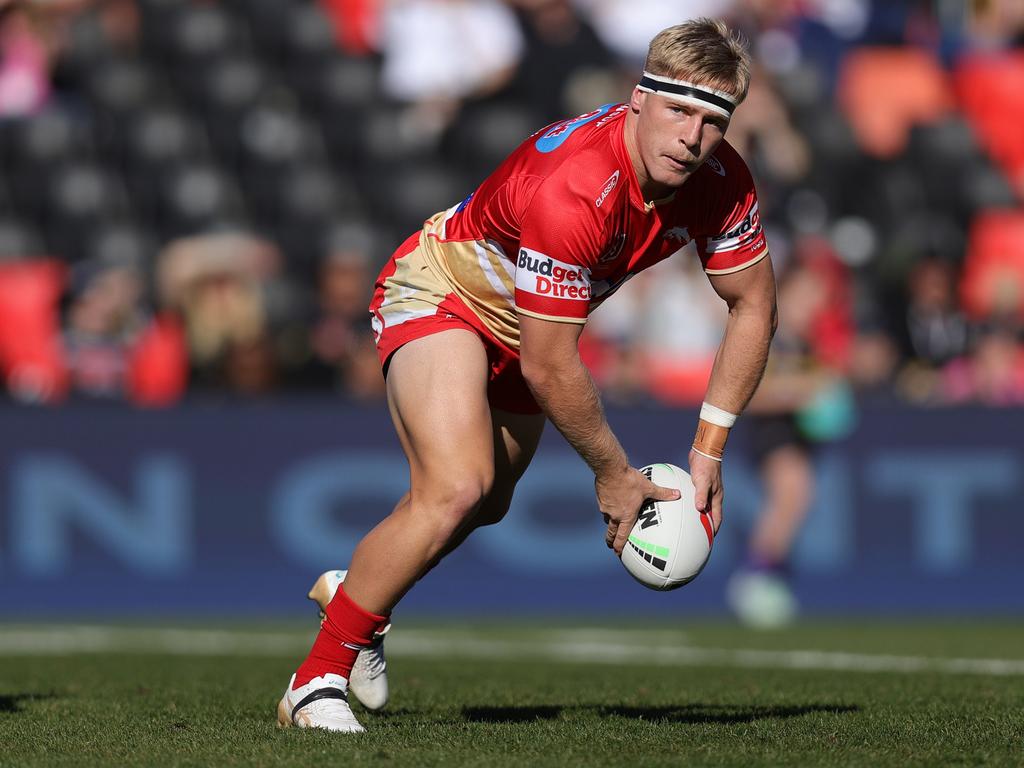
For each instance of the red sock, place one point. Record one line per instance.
(345, 631)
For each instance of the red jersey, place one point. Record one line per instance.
(562, 223)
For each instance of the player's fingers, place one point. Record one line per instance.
(702, 495)
(609, 535)
(660, 493)
(716, 509)
(620, 539)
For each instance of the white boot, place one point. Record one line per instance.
(320, 703)
(368, 681)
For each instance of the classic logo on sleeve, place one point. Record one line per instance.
(549, 278)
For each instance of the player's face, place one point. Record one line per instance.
(673, 138)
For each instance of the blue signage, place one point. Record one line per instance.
(234, 510)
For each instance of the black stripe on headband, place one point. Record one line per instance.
(685, 90)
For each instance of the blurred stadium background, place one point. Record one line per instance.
(195, 198)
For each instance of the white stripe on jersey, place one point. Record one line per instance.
(395, 317)
(483, 256)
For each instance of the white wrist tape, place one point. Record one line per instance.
(707, 455)
(716, 416)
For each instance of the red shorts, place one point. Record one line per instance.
(410, 302)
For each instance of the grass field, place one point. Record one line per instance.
(704, 694)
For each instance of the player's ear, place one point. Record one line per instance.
(637, 99)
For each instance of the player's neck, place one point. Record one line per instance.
(650, 189)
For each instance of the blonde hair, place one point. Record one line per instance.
(703, 51)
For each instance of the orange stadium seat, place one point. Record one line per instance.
(993, 280)
(30, 354)
(884, 92)
(991, 91)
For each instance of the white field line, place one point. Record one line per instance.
(570, 646)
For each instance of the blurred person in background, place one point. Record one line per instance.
(992, 373)
(438, 53)
(219, 284)
(932, 330)
(114, 349)
(803, 401)
(343, 357)
(25, 59)
(627, 26)
(558, 39)
(106, 344)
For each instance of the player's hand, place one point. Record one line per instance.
(620, 495)
(707, 486)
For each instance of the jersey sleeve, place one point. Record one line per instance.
(732, 238)
(559, 245)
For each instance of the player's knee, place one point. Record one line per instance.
(457, 498)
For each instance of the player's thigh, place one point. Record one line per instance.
(516, 437)
(437, 394)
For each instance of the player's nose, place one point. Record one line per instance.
(690, 135)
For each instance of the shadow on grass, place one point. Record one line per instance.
(15, 702)
(688, 713)
(702, 713)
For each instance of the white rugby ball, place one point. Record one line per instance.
(671, 541)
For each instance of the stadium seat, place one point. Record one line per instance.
(387, 137)
(233, 83)
(276, 133)
(885, 91)
(198, 197)
(122, 242)
(339, 83)
(19, 240)
(408, 195)
(30, 355)
(484, 136)
(7, 202)
(947, 150)
(993, 278)
(82, 196)
(186, 33)
(158, 142)
(308, 35)
(991, 90)
(39, 146)
(121, 87)
(266, 21)
(339, 97)
(163, 136)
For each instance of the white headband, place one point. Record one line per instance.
(682, 90)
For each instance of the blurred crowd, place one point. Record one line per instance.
(196, 195)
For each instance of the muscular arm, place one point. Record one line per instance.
(739, 365)
(562, 385)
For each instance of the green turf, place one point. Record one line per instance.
(128, 708)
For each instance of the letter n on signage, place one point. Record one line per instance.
(53, 495)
